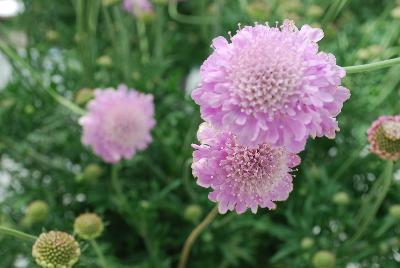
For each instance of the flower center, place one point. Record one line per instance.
(123, 126)
(265, 75)
(254, 170)
(388, 138)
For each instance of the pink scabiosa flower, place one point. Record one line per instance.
(271, 85)
(118, 123)
(241, 177)
(384, 137)
(138, 7)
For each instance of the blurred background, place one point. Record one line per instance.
(71, 47)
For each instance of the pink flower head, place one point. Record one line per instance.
(271, 85)
(384, 137)
(118, 123)
(241, 177)
(138, 7)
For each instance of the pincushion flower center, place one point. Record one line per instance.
(265, 75)
(254, 170)
(124, 126)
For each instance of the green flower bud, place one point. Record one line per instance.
(83, 96)
(324, 259)
(88, 226)
(104, 61)
(37, 212)
(52, 35)
(341, 198)
(394, 211)
(56, 250)
(395, 13)
(192, 213)
(91, 173)
(307, 243)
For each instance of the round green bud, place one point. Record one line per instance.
(395, 13)
(83, 96)
(56, 250)
(88, 226)
(37, 212)
(324, 259)
(104, 61)
(52, 35)
(91, 173)
(341, 198)
(394, 211)
(192, 213)
(307, 243)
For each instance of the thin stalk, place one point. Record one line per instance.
(188, 19)
(99, 253)
(333, 11)
(143, 42)
(380, 192)
(58, 98)
(116, 183)
(17, 234)
(372, 66)
(193, 236)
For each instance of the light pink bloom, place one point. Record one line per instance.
(241, 177)
(384, 137)
(118, 123)
(138, 7)
(271, 85)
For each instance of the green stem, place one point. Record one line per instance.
(116, 183)
(143, 42)
(58, 98)
(99, 253)
(193, 236)
(17, 234)
(174, 13)
(372, 66)
(377, 195)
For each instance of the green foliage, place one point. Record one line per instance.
(82, 44)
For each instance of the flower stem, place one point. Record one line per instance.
(374, 200)
(115, 182)
(372, 66)
(99, 253)
(143, 42)
(17, 234)
(193, 236)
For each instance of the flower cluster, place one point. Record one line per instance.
(263, 94)
(271, 85)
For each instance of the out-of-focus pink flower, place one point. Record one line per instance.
(271, 85)
(384, 137)
(118, 123)
(139, 7)
(241, 177)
